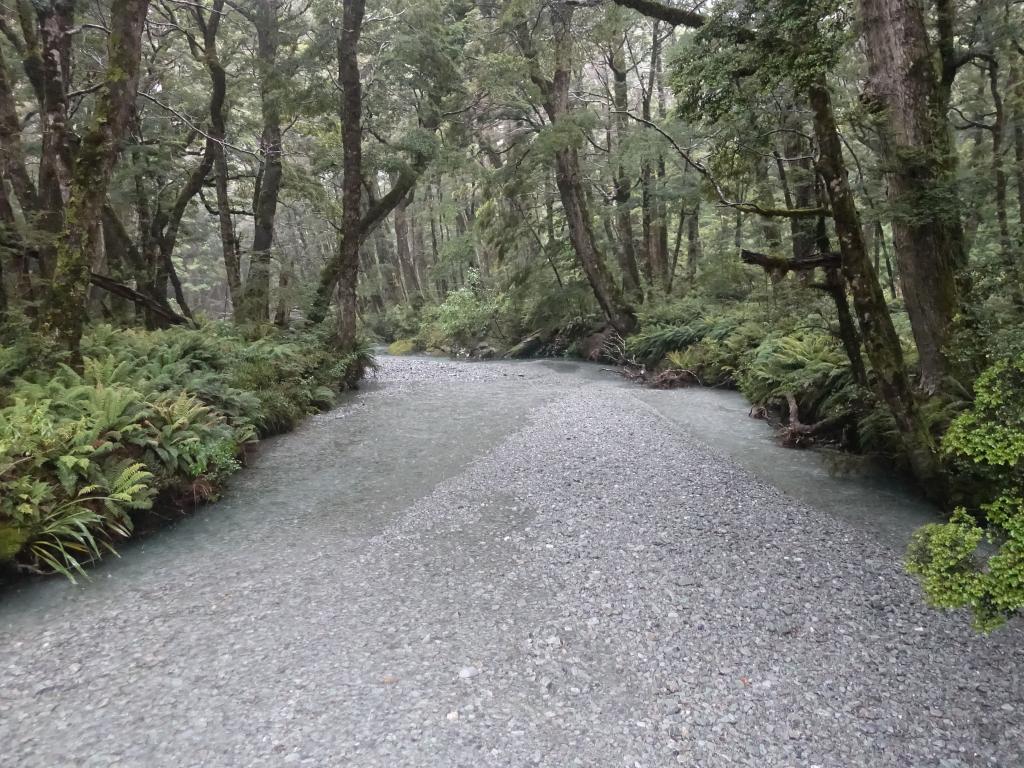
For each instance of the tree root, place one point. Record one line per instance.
(670, 379)
(796, 434)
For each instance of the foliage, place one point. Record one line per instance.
(161, 414)
(985, 445)
(464, 316)
(810, 366)
(468, 315)
(399, 321)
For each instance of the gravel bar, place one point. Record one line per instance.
(501, 564)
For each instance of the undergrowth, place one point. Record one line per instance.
(154, 417)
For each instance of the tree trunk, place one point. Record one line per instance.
(389, 273)
(56, 18)
(14, 169)
(796, 175)
(217, 130)
(623, 216)
(12, 153)
(659, 218)
(65, 315)
(256, 295)
(374, 215)
(283, 294)
(404, 252)
(880, 338)
(567, 174)
(921, 166)
(766, 199)
(352, 183)
(694, 247)
(1006, 245)
(1017, 78)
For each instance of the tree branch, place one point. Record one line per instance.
(787, 213)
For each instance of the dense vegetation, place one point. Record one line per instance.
(820, 204)
(152, 417)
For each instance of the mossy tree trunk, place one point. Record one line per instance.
(94, 164)
(256, 295)
(404, 252)
(920, 163)
(14, 169)
(623, 215)
(694, 247)
(55, 22)
(209, 26)
(881, 341)
(352, 165)
(375, 213)
(568, 177)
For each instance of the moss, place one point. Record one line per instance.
(402, 347)
(12, 539)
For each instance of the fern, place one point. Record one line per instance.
(162, 412)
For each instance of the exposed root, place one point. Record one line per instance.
(796, 434)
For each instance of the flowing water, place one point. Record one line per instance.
(855, 489)
(852, 488)
(369, 462)
(508, 564)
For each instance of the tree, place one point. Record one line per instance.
(921, 168)
(350, 238)
(556, 102)
(94, 165)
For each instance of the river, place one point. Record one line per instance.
(514, 564)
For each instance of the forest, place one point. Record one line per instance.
(210, 212)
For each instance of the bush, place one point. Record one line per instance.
(984, 446)
(396, 322)
(811, 366)
(160, 414)
(650, 345)
(464, 317)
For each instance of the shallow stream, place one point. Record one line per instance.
(852, 488)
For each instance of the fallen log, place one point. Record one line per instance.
(777, 265)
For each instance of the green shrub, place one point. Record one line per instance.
(464, 317)
(396, 322)
(984, 446)
(650, 345)
(811, 366)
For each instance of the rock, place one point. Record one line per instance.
(484, 351)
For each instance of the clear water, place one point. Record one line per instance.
(852, 488)
(346, 474)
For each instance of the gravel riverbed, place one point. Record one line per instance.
(502, 565)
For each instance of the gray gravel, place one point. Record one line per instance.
(501, 565)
